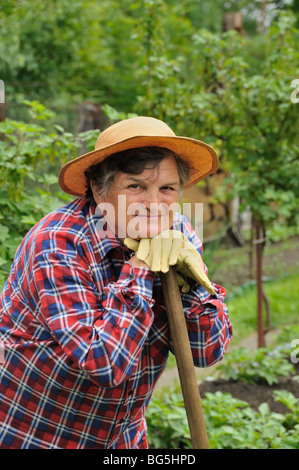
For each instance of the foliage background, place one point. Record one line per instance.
(167, 59)
(172, 60)
(62, 52)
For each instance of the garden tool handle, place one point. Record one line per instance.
(183, 354)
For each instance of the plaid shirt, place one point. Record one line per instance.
(86, 337)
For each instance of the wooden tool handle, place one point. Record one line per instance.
(183, 354)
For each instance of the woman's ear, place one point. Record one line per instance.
(96, 193)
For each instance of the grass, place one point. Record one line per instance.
(281, 274)
(242, 308)
(284, 306)
(226, 262)
(281, 288)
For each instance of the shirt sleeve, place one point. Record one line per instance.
(101, 332)
(209, 327)
(207, 318)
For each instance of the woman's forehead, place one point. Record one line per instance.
(165, 170)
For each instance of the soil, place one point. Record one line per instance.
(253, 394)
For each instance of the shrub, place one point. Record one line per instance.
(260, 366)
(30, 157)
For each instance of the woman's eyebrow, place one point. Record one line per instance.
(134, 179)
(174, 183)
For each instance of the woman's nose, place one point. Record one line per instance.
(152, 196)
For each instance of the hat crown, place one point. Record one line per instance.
(133, 127)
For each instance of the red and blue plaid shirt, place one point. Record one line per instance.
(85, 336)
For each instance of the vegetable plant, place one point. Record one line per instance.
(231, 423)
(260, 366)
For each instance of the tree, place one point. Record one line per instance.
(229, 90)
(62, 52)
(266, 165)
(248, 117)
(262, 144)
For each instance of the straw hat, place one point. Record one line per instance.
(137, 132)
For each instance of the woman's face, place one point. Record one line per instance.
(141, 205)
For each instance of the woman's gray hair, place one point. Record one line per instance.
(132, 161)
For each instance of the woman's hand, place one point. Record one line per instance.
(171, 248)
(138, 263)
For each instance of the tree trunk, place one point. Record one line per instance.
(259, 241)
(251, 248)
(262, 299)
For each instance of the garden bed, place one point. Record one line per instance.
(253, 403)
(254, 394)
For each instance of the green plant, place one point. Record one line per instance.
(292, 403)
(288, 334)
(231, 423)
(260, 366)
(30, 157)
(167, 422)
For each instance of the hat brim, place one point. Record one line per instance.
(200, 156)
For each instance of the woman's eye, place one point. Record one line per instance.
(167, 188)
(134, 186)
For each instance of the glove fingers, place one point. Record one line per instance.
(182, 283)
(157, 263)
(165, 249)
(176, 248)
(144, 248)
(172, 249)
(131, 244)
(199, 274)
(169, 253)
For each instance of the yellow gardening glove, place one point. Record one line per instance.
(172, 248)
(182, 282)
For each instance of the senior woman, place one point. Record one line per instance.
(83, 323)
